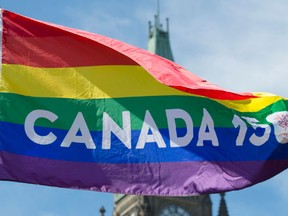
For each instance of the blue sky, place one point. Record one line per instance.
(238, 45)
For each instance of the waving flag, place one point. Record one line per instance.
(80, 110)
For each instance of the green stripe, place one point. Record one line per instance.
(15, 108)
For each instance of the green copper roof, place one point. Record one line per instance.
(118, 197)
(158, 41)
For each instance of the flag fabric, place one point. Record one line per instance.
(80, 110)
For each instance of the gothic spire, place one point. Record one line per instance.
(223, 211)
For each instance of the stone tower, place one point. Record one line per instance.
(130, 205)
(158, 39)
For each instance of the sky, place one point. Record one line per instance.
(238, 45)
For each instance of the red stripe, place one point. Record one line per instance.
(34, 43)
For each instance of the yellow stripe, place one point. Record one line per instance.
(251, 105)
(82, 82)
(102, 82)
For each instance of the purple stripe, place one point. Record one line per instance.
(174, 179)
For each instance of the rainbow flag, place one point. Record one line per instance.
(80, 110)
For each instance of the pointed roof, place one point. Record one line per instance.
(223, 211)
(158, 38)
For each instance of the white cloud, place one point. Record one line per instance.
(238, 45)
(113, 19)
(98, 20)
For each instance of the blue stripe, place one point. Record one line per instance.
(14, 140)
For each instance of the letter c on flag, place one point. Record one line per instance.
(29, 127)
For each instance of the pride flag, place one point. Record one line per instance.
(80, 110)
